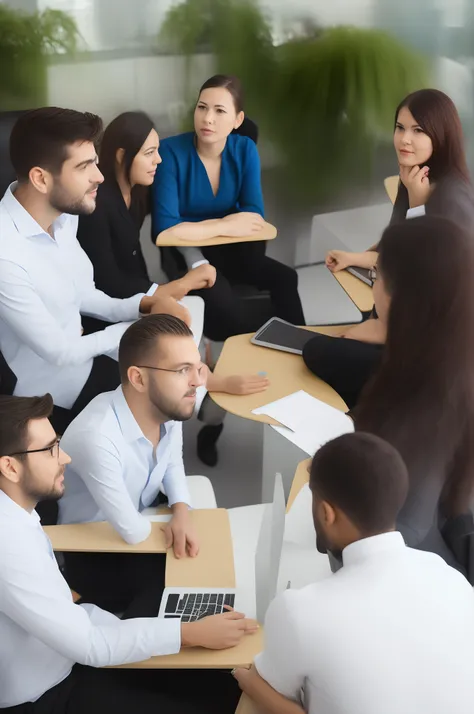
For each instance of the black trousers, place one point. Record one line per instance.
(246, 263)
(130, 583)
(346, 365)
(126, 691)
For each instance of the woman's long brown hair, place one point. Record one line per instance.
(438, 117)
(422, 398)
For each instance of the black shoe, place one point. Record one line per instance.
(206, 444)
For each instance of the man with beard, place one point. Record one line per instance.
(392, 630)
(46, 279)
(50, 647)
(127, 447)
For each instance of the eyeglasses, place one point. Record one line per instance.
(183, 372)
(53, 450)
(373, 274)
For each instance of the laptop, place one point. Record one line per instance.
(191, 604)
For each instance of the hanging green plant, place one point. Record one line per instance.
(26, 42)
(324, 99)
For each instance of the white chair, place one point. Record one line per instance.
(201, 492)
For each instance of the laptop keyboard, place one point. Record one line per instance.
(192, 607)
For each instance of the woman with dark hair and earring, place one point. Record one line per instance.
(434, 179)
(128, 158)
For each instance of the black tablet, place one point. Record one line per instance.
(280, 335)
(361, 273)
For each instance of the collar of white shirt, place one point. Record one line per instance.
(24, 221)
(128, 424)
(367, 547)
(10, 508)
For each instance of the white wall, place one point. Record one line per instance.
(108, 87)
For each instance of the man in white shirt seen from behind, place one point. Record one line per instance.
(50, 646)
(390, 632)
(46, 279)
(126, 448)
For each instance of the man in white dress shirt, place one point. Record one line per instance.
(48, 644)
(390, 632)
(46, 279)
(126, 448)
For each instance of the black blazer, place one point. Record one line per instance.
(111, 238)
(452, 198)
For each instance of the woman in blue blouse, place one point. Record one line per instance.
(209, 185)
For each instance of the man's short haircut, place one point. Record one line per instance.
(140, 342)
(365, 477)
(41, 137)
(15, 416)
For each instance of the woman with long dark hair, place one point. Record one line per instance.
(434, 178)
(421, 399)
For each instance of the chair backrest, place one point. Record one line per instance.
(391, 187)
(248, 128)
(7, 174)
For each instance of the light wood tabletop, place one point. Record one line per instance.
(242, 655)
(360, 293)
(213, 567)
(287, 374)
(268, 232)
(300, 479)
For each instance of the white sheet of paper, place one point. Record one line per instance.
(308, 422)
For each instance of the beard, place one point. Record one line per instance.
(171, 410)
(62, 202)
(37, 492)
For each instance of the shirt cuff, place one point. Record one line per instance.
(167, 634)
(198, 263)
(416, 212)
(151, 290)
(177, 490)
(136, 533)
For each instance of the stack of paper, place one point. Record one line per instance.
(307, 422)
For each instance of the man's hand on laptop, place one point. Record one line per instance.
(217, 632)
(180, 532)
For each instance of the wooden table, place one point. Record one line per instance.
(268, 232)
(360, 293)
(300, 479)
(213, 567)
(287, 374)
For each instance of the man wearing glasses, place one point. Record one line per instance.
(52, 650)
(126, 447)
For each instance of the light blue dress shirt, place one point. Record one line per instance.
(46, 284)
(115, 471)
(42, 632)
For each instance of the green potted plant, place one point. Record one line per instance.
(324, 99)
(26, 42)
